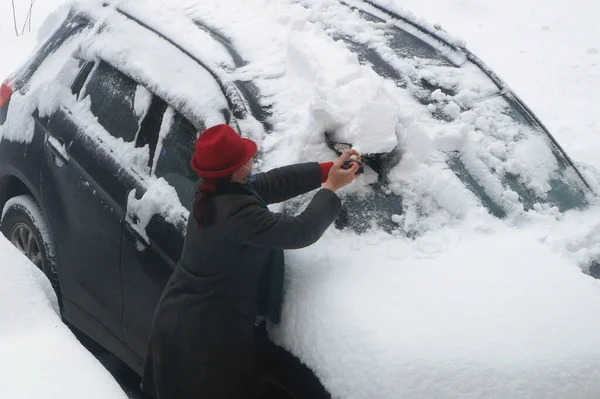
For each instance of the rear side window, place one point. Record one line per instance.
(173, 155)
(177, 149)
(117, 101)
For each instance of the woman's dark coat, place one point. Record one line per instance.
(203, 332)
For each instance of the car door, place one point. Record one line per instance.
(150, 248)
(86, 175)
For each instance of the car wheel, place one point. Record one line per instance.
(25, 226)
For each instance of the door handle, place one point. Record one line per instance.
(141, 242)
(57, 147)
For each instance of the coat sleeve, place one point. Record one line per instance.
(281, 184)
(257, 226)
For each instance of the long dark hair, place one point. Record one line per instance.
(204, 207)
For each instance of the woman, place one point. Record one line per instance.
(231, 268)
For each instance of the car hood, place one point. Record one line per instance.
(486, 310)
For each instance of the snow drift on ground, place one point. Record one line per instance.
(474, 306)
(39, 356)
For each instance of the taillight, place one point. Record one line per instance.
(6, 91)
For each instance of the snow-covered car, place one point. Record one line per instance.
(97, 129)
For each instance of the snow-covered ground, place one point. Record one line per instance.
(480, 308)
(39, 356)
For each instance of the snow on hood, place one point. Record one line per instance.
(482, 311)
(35, 345)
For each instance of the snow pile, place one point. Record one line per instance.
(339, 82)
(39, 356)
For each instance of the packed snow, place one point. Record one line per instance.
(39, 355)
(452, 302)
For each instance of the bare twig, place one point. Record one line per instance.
(28, 17)
(31, 13)
(25, 22)
(15, 17)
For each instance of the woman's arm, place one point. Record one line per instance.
(259, 227)
(288, 182)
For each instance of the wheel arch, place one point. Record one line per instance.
(12, 185)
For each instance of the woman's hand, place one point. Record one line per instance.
(339, 177)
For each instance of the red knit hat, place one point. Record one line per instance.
(220, 151)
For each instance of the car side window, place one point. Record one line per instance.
(116, 101)
(173, 154)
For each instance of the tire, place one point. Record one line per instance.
(25, 226)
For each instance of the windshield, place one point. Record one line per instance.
(483, 137)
